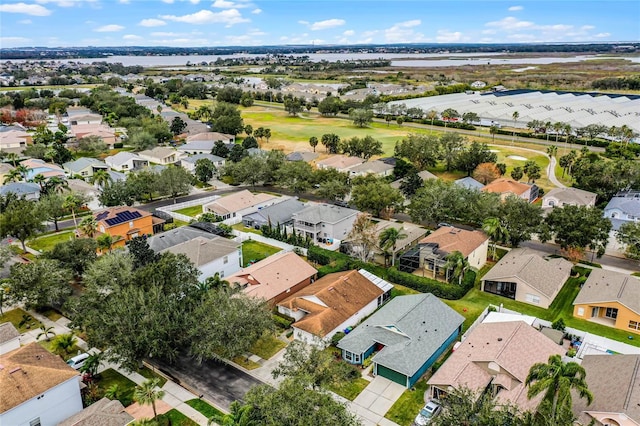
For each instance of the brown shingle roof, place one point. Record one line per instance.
(238, 201)
(610, 286)
(340, 162)
(502, 186)
(28, 372)
(119, 212)
(274, 275)
(450, 239)
(101, 413)
(332, 300)
(7, 332)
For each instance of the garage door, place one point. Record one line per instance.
(392, 375)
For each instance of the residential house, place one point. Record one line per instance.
(211, 137)
(30, 190)
(306, 156)
(624, 207)
(341, 163)
(85, 119)
(189, 163)
(405, 337)
(432, 251)
(161, 155)
(9, 338)
(238, 204)
(610, 298)
(376, 168)
(14, 138)
(523, 275)
(5, 169)
(86, 189)
(37, 388)
(614, 382)
(469, 183)
(424, 175)
(182, 234)
(496, 357)
(559, 197)
(211, 256)
(36, 166)
(507, 187)
(84, 167)
(333, 303)
(325, 222)
(117, 176)
(103, 131)
(124, 223)
(125, 161)
(276, 214)
(103, 412)
(275, 277)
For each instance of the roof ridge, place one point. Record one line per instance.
(622, 287)
(508, 340)
(627, 399)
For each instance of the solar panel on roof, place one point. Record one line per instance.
(122, 217)
(102, 215)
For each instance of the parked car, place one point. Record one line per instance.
(78, 361)
(341, 203)
(428, 412)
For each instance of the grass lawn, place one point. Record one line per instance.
(253, 251)
(240, 227)
(47, 242)
(149, 374)
(16, 317)
(126, 387)
(174, 418)
(400, 290)
(51, 313)
(406, 408)
(245, 362)
(267, 346)
(179, 223)
(192, 211)
(351, 389)
(206, 409)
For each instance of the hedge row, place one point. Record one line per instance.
(334, 261)
(428, 285)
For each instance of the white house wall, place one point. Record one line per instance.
(52, 407)
(224, 269)
(478, 258)
(10, 345)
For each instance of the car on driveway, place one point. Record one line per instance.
(428, 412)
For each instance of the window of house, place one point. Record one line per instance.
(83, 173)
(225, 259)
(348, 356)
(532, 298)
(611, 313)
(125, 166)
(130, 224)
(102, 229)
(581, 312)
(634, 325)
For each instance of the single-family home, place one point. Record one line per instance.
(36, 166)
(30, 190)
(211, 256)
(5, 169)
(124, 223)
(182, 234)
(624, 207)
(432, 251)
(508, 187)
(341, 163)
(103, 412)
(333, 303)
(523, 275)
(275, 277)
(610, 298)
(37, 388)
(125, 161)
(405, 337)
(469, 183)
(376, 168)
(276, 214)
(92, 192)
(559, 197)
(325, 222)
(212, 137)
(614, 382)
(496, 357)
(9, 338)
(84, 118)
(84, 167)
(306, 156)
(103, 131)
(424, 175)
(238, 204)
(189, 163)
(14, 138)
(161, 155)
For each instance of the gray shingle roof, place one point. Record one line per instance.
(302, 156)
(411, 328)
(628, 205)
(197, 145)
(327, 213)
(278, 213)
(20, 188)
(82, 163)
(122, 157)
(610, 286)
(7, 332)
(469, 182)
(202, 250)
(371, 167)
(176, 236)
(572, 196)
(193, 158)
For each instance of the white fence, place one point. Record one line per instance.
(245, 236)
(171, 209)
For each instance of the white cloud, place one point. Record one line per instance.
(510, 24)
(229, 17)
(69, 3)
(109, 28)
(256, 11)
(446, 36)
(14, 40)
(226, 4)
(25, 21)
(602, 35)
(303, 22)
(587, 27)
(403, 32)
(131, 37)
(515, 8)
(152, 22)
(27, 9)
(348, 33)
(326, 24)
(124, 1)
(168, 1)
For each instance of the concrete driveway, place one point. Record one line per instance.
(375, 400)
(216, 381)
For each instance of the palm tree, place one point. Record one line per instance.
(432, 115)
(493, 130)
(63, 343)
(389, 238)
(112, 392)
(557, 379)
(239, 415)
(56, 184)
(92, 364)
(46, 331)
(557, 127)
(552, 150)
(73, 203)
(89, 226)
(40, 180)
(147, 393)
(106, 241)
(457, 264)
(213, 283)
(13, 176)
(515, 117)
(496, 230)
(547, 126)
(13, 157)
(102, 178)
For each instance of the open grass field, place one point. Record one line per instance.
(192, 211)
(406, 408)
(48, 242)
(253, 251)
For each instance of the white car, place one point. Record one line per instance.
(429, 411)
(78, 361)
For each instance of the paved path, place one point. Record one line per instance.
(375, 400)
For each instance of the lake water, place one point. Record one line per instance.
(409, 59)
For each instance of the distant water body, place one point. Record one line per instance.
(408, 59)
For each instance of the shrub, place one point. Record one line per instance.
(428, 285)
(118, 145)
(558, 324)
(282, 320)
(336, 338)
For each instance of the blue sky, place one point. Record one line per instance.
(271, 22)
